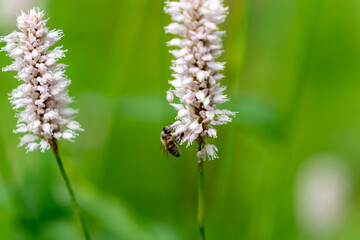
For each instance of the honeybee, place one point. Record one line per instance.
(169, 141)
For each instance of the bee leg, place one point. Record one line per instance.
(179, 138)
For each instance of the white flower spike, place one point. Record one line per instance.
(196, 73)
(42, 97)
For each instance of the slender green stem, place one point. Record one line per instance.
(201, 207)
(54, 146)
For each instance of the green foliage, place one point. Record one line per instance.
(292, 75)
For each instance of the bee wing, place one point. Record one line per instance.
(164, 151)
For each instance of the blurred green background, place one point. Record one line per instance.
(289, 163)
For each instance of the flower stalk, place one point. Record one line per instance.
(42, 98)
(201, 205)
(54, 147)
(197, 77)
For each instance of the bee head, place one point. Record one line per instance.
(166, 130)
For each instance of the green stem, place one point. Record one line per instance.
(54, 146)
(201, 207)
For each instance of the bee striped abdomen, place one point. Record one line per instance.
(173, 149)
